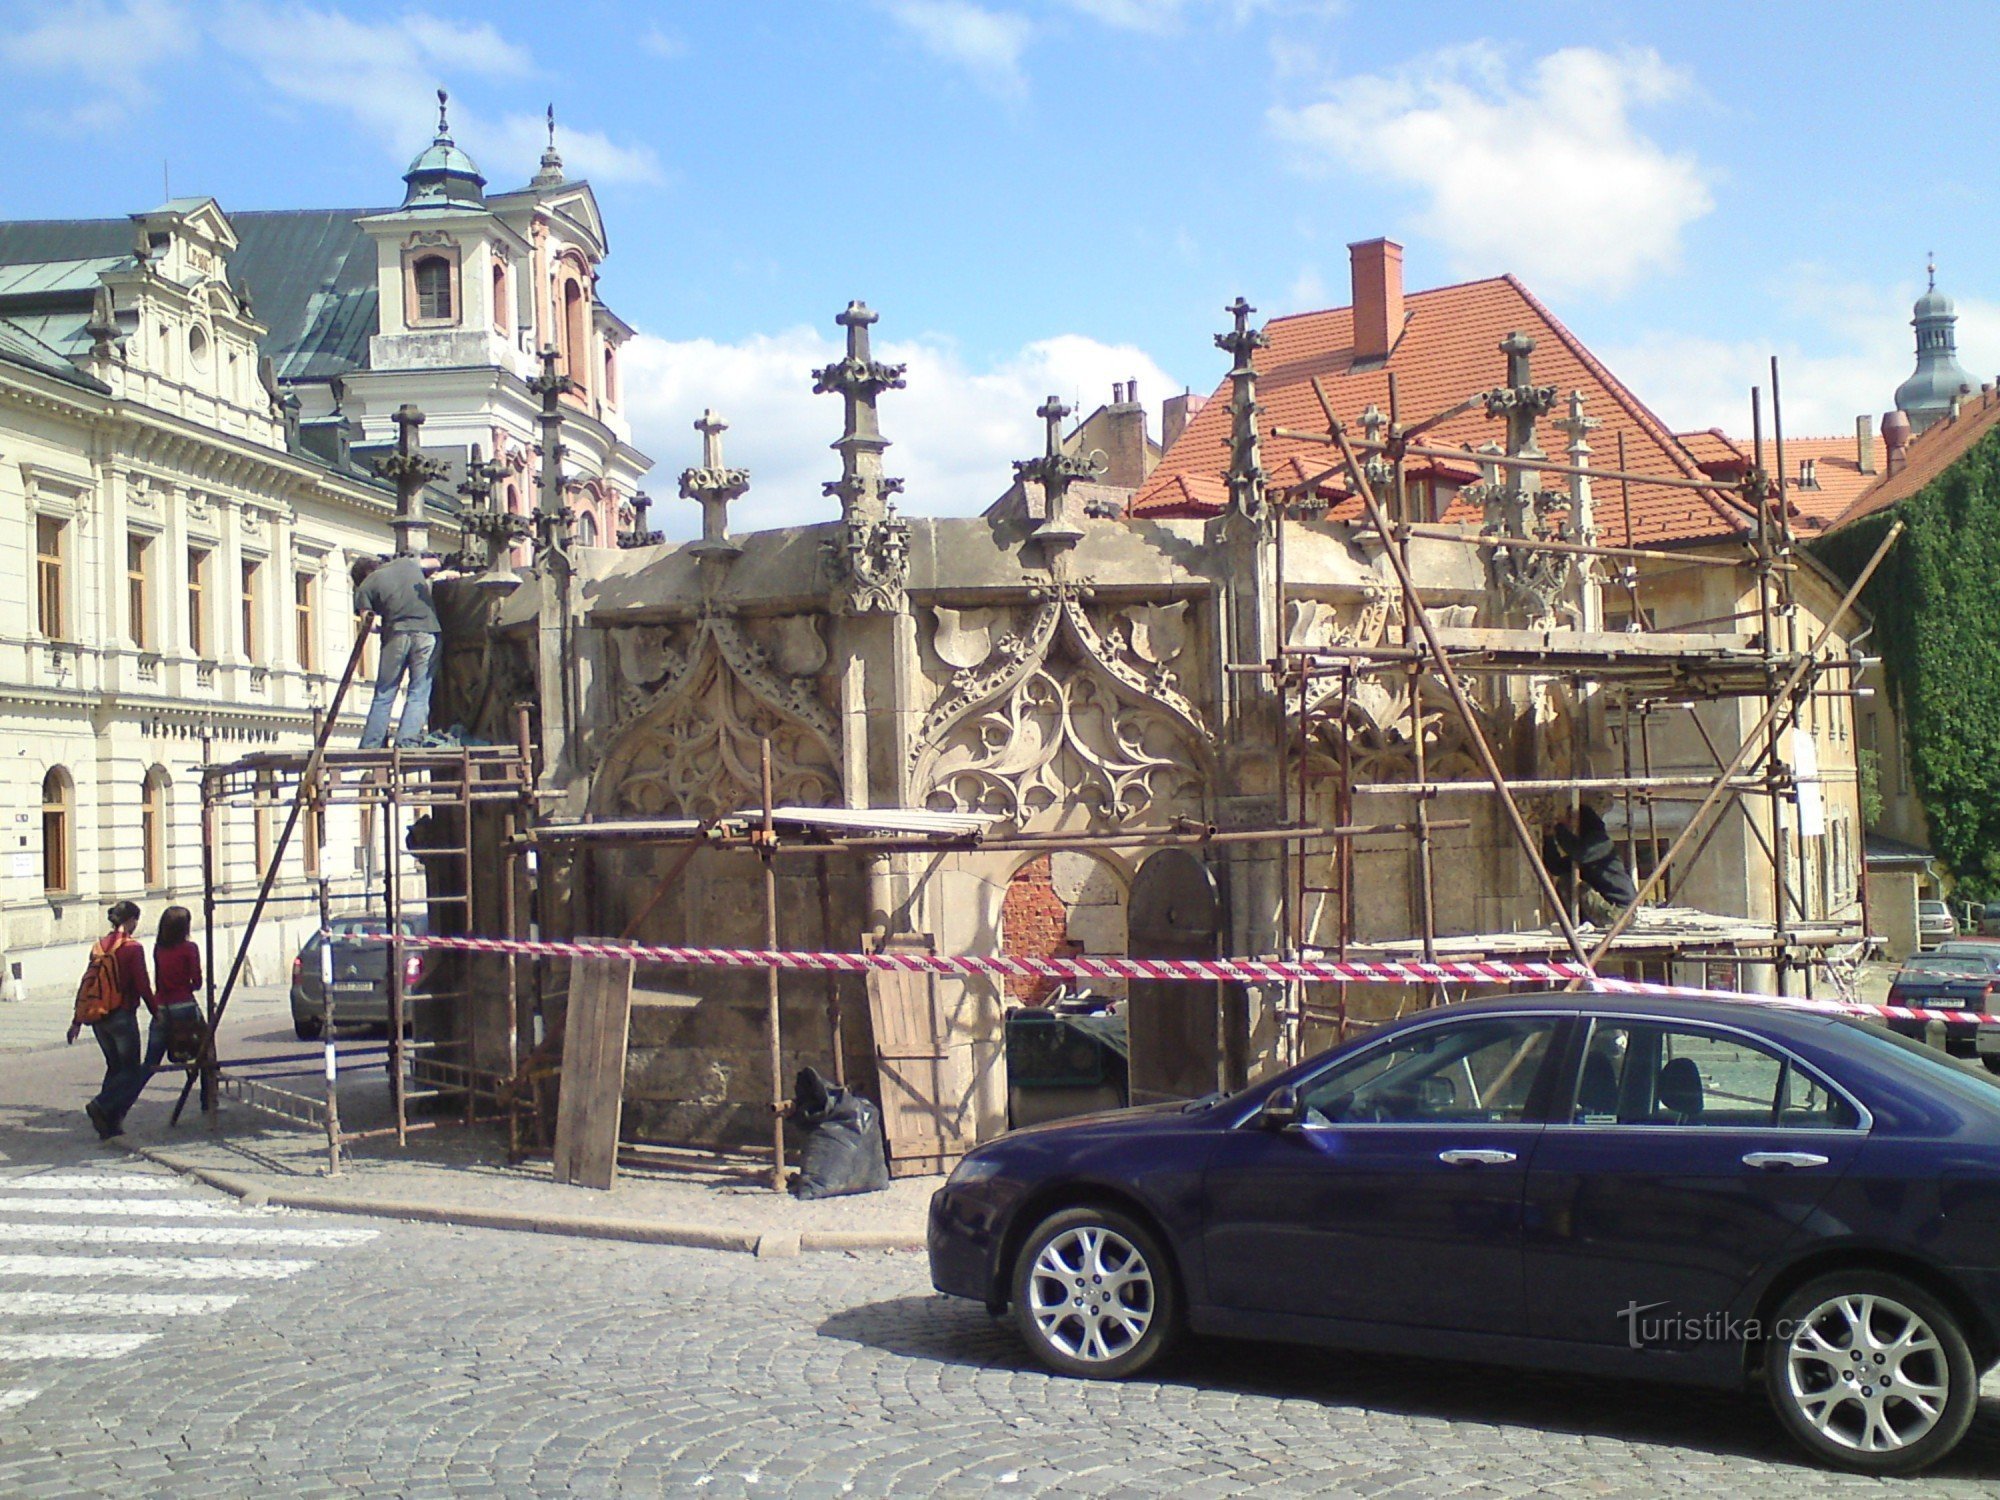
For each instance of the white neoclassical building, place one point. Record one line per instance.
(190, 402)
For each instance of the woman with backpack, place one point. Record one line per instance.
(107, 1001)
(176, 1030)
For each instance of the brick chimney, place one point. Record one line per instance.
(1864, 444)
(1177, 413)
(1123, 437)
(1377, 269)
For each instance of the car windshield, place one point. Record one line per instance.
(1955, 962)
(1967, 1080)
(1933, 908)
(411, 926)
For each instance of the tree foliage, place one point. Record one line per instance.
(1936, 605)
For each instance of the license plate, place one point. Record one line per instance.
(1943, 1002)
(353, 987)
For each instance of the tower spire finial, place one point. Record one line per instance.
(551, 173)
(444, 129)
(1930, 270)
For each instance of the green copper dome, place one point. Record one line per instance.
(443, 176)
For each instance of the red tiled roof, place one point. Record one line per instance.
(1449, 350)
(1930, 453)
(1717, 454)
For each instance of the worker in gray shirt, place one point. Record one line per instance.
(399, 593)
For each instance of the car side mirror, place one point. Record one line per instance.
(1281, 1110)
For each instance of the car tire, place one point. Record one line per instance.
(1094, 1294)
(1866, 1422)
(307, 1028)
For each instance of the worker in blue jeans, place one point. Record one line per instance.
(398, 592)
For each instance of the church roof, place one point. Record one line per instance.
(1448, 351)
(311, 275)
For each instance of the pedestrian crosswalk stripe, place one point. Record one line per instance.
(92, 1182)
(157, 1267)
(163, 1208)
(180, 1234)
(71, 1345)
(117, 1304)
(9, 1399)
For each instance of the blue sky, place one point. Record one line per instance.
(1053, 194)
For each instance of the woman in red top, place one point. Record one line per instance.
(176, 978)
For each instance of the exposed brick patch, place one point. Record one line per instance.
(1033, 924)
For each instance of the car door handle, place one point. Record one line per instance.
(1779, 1161)
(1470, 1158)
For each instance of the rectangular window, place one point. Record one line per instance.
(50, 549)
(303, 585)
(252, 637)
(139, 590)
(198, 632)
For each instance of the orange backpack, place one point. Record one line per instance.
(98, 995)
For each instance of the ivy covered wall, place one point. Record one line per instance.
(1936, 605)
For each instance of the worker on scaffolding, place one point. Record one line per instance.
(398, 592)
(1577, 839)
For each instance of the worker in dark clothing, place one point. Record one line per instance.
(399, 593)
(1584, 842)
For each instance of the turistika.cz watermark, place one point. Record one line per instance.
(1645, 1325)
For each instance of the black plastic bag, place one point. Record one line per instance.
(843, 1152)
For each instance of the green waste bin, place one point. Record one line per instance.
(1060, 1065)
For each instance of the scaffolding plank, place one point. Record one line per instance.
(593, 1072)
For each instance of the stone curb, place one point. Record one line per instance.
(766, 1245)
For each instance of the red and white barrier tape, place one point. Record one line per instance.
(1232, 970)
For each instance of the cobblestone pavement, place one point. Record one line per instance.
(427, 1360)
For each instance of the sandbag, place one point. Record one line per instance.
(843, 1152)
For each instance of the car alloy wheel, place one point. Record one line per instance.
(1871, 1373)
(1093, 1294)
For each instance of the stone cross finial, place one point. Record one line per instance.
(711, 427)
(410, 471)
(1246, 465)
(1373, 420)
(1055, 471)
(871, 557)
(1052, 411)
(713, 485)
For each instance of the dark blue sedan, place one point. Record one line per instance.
(1705, 1191)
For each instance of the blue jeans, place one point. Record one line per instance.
(124, 1071)
(156, 1034)
(403, 651)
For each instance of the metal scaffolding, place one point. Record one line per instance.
(1639, 677)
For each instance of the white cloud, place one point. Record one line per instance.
(1161, 17)
(384, 74)
(954, 429)
(1307, 293)
(663, 44)
(987, 44)
(1860, 349)
(110, 46)
(1542, 173)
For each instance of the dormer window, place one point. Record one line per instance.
(432, 278)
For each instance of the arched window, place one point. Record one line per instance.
(58, 803)
(576, 346)
(500, 319)
(431, 277)
(610, 389)
(586, 529)
(154, 820)
(198, 346)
